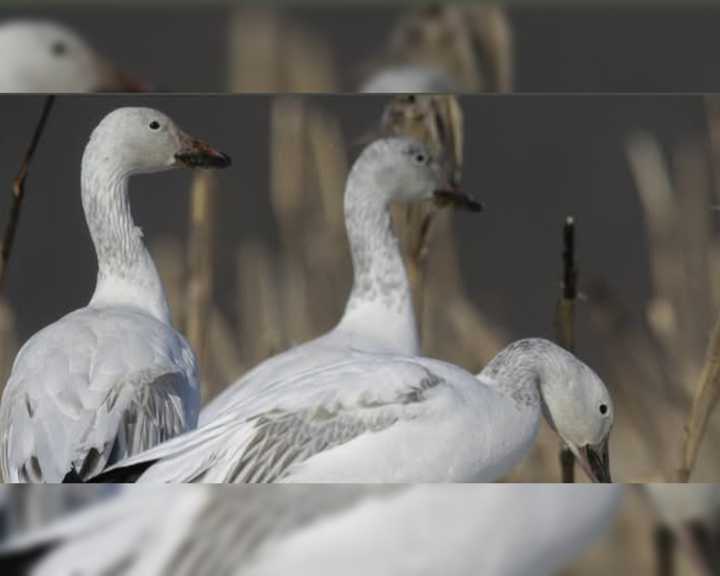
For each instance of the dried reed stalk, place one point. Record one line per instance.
(655, 189)
(262, 330)
(292, 60)
(325, 225)
(18, 190)
(656, 406)
(170, 258)
(703, 274)
(704, 250)
(199, 265)
(8, 341)
(473, 45)
(254, 50)
(288, 163)
(683, 249)
(223, 364)
(694, 222)
(565, 323)
(704, 401)
(268, 53)
(643, 384)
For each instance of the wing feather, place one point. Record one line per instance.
(91, 389)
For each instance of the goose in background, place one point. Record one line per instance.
(493, 530)
(43, 56)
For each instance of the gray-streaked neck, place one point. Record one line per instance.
(126, 272)
(380, 306)
(521, 370)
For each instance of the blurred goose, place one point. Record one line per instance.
(690, 514)
(493, 530)
(113, 378)
(27, 507)
(388, 418)
(42, 56)
(379, 315)
(409, 78)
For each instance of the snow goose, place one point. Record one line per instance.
(42, 56)
(390, 418)
(379, 315)
(113, 378)
(493, 530)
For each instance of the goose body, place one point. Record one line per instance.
(494, 530)
(385, 418)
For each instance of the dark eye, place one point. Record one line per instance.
(603, 408)
(58, 48)
(420, 158)
(154, 125)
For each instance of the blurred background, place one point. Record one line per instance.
(529, 47)
(254, 258)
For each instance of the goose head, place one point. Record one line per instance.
(143, 140)
(42, 56)
(579, 408)
(405, 170)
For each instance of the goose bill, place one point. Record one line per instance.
(197, 153)
(457, 199)
(595, 461)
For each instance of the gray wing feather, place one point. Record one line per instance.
(238, 520)
(282, 439)
(151, 413)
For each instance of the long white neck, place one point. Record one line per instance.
(380, 309)
(126, 272)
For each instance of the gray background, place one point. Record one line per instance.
(558, 49)
(532, 160)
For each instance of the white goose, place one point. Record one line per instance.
(379, 315)
(113, 378)
(389, 418)
(42, 56)
(493, 530)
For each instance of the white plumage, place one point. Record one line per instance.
(44, 56)
(379, 315)
(385, 418)
(493, 530)
(113, 378)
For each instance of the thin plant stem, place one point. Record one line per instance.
(565, 323)
(18, 191)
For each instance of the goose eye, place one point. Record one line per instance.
(154, 125)
(58, 48)
(420, 158)
(603, 409)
